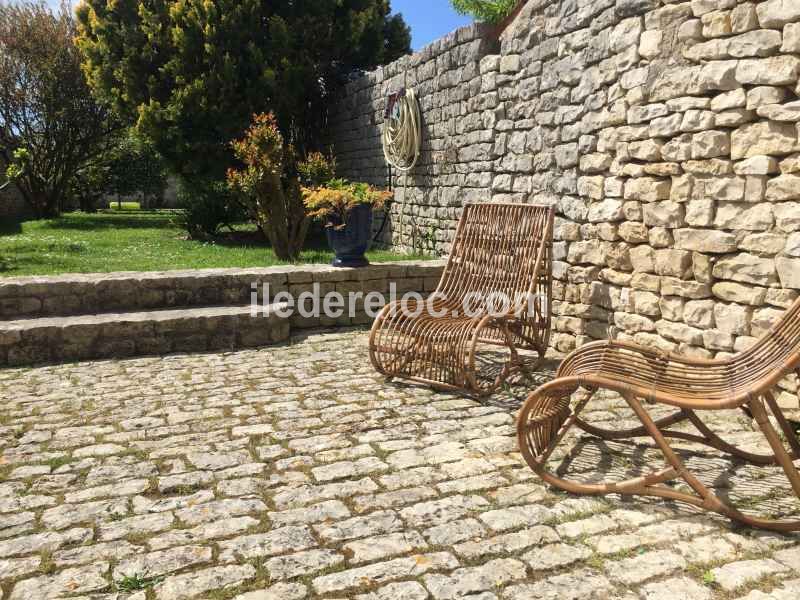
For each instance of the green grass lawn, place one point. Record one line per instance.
(137, 241)
(124, 206)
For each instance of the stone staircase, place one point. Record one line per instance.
(82, 317)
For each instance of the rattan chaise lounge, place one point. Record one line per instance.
(746, 381)
(500, 251)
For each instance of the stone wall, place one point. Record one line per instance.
(96, 293)
(457, 161)
(665, 132)
(80, 317)
(12, 205)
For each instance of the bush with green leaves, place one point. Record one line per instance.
(136, 167)
(489, 11)
(333, 201)
(132, 167)
(268, 184)
(208, 206)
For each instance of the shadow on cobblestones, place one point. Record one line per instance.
(297, 470)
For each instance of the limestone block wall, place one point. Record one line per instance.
(664, 131)
(12, 205)
(457, 161)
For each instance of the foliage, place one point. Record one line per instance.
(90, 185)
(133, 583)
(20, 161)
(190, 73)
(124, 206)
(317, 168)
(108, 241)
(267, 188)
(709, 578)
(129, 167)
(51, 128)
(332, 202)
(136, 167)
(490, 11)
(207, 207)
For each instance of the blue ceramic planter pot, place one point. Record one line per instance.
(352, 241)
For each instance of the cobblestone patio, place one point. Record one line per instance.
(295, 472)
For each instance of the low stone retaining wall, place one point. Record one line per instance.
(76, 294)
(68, 339)
(135, 314)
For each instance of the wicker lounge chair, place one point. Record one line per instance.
(500, 249)
(746, 381)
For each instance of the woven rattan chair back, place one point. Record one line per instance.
(503, 252)
(774, 355)
(495, 290)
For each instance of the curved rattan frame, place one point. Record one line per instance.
(746, 381)
(498, 248)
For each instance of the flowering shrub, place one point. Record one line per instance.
(332, 202)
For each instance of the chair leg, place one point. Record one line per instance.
(709, 438)
(711, 501)
(788, 432)
(647, 485)
(706, 437)
(783, 458)
(512, 366)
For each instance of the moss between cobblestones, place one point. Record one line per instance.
(46, 566)
(136, 582)
(413, 407)
(764, 584)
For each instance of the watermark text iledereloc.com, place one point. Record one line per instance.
(333, 304)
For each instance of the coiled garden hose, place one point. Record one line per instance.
(402, 131)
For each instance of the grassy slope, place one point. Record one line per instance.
(134, 241)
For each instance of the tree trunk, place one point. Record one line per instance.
(299, 220)
(276, 222)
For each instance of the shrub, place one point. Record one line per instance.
(135, 167)
(207, 207)
(489, 11)
(332, 202)
(267, 188)
(316, 169)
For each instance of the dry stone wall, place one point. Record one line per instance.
(12, 204)
(666, 134)
(459, 120)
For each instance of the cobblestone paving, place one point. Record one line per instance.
(295, 472)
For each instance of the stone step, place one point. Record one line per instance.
(92, 294)
(155, 332)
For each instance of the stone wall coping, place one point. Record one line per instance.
(290, 273)
(145, 316)
(457, 37)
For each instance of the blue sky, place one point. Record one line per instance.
(429, 19)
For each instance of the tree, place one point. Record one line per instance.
(490, 11)
(130, 167)
(190, 73)
(135, 167)
(51, 128)
(270, 196)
